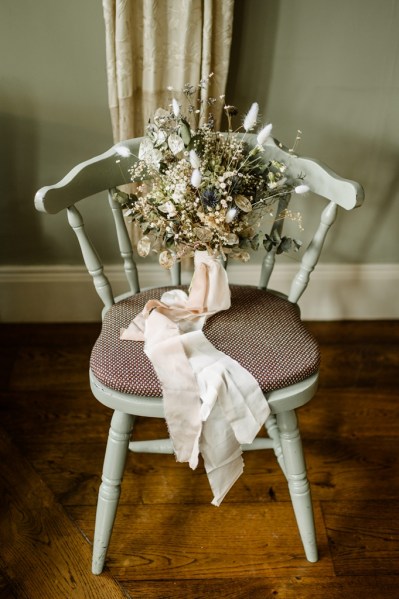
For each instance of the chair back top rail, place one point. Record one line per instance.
(111, 169)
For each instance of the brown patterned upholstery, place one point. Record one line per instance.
(261, 331)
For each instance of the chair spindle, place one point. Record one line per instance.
(125, 246)
(270, 256)
(312, 254)
(91, 258)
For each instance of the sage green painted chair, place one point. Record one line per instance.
(270, 341)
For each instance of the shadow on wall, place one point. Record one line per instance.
(335, 131)
(19, 227)
(365, 236)
(250, 75)
(35, 152)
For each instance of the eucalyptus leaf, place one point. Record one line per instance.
(185, 132)
(255, 242)
(268, 243)
(285, 245)
(196, 143)
(244, 244)
(120, 196)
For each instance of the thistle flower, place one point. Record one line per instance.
(264, 134)
(251, 117)
(196, 178)
(210, 198)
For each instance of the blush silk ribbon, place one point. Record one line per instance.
(212, 404)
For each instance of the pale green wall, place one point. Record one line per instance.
(331, 69)
(53, 114)
(328, 68)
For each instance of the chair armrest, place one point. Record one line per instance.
(88, 178)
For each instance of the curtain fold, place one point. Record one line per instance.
(153, 45)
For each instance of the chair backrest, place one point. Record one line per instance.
(111, 169)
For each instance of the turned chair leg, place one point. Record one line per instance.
(295, 470)
(274, 435)
(110, 488)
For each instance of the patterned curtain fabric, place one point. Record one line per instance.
(152, 45)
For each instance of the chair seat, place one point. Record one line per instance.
(262, 331)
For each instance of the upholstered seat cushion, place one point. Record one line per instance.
(262, 331)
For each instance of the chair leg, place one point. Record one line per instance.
(274, 435)
(110, 488)
(298, 483)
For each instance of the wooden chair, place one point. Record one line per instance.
(270, 341)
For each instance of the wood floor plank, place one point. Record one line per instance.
(355, 332)
(348, 413)
(54, 416)
(48, 368)
(201, 541)
(353, 412)
(6, 591)
(167, 537)
(293, 587)
(14, 335)
(363, 536)
(42, 553)
(370, 365)
(342, 469)
(339, 466)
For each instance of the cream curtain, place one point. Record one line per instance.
(155, 44)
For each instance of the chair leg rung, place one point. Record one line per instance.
(152, 446)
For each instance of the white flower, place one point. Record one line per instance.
(146, 148)
(301, 189)
(123, 151)
(160, 136)
(166, 259)
(196, 178)
(156, 157)
(232, 239)
(194, 159)
(144, 246)
(175, 143)
(168, 208)
(240, 255)
(230, 215)
(264, 134)
(175, 108)
(251, 117)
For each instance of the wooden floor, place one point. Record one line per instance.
(169, 542)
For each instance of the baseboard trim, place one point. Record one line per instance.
(66, 293)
